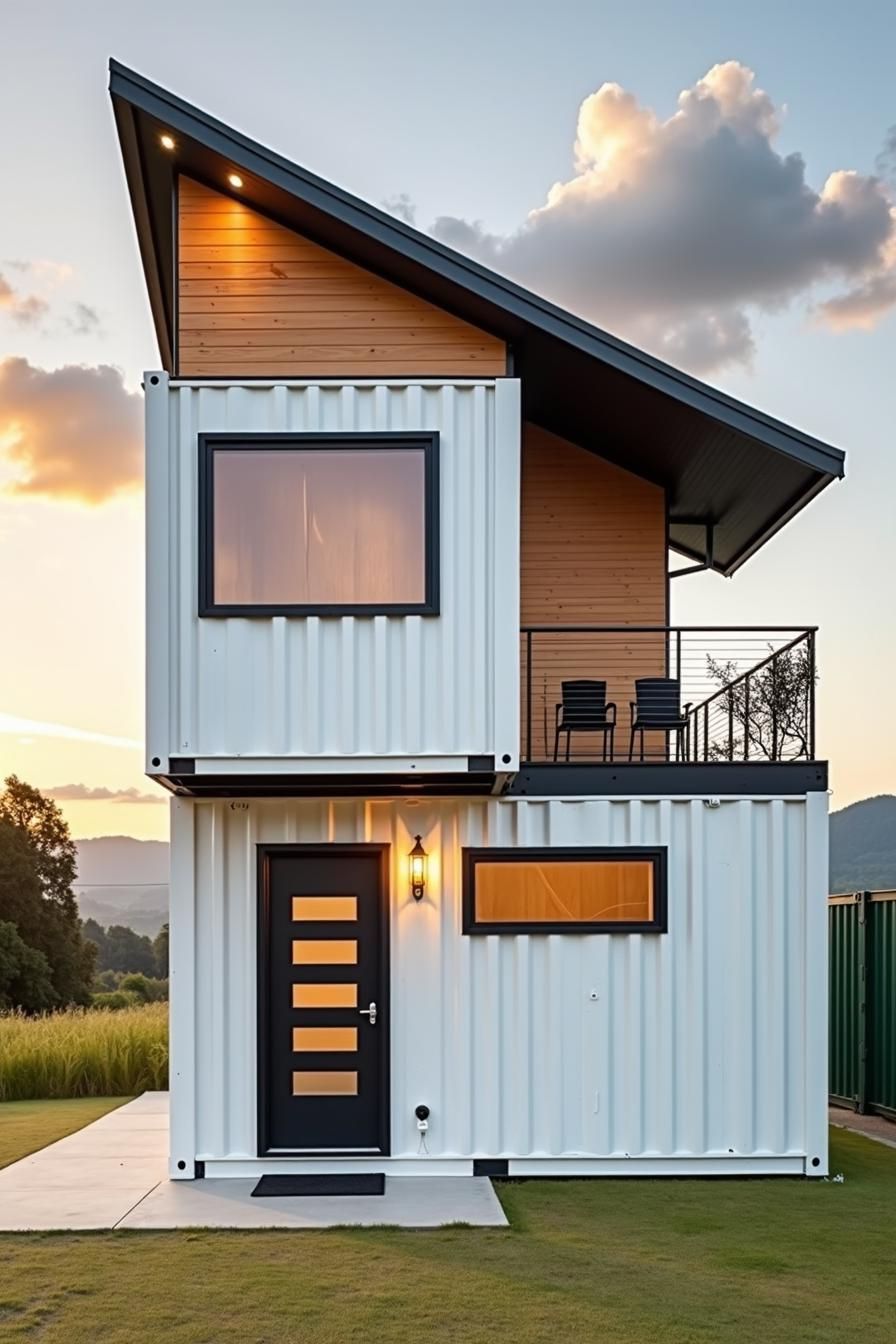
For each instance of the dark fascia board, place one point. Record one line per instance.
(475, 783)
(159, 300)
(638, 779)
(453, 266)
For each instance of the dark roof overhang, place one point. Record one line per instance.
(720, 462)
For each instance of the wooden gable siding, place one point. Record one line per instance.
(255, 298)
(592, 552)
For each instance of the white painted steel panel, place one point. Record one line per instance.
(701, 1043)
(331, 687)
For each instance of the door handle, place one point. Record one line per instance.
(369, 1012)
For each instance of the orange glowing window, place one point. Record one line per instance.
(324, 952)
(329, 1083)
(325, 907)
(564, 890)
(324, 996)
(325, 1038)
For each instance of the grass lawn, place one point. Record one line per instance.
(26, 1126)
(613, 1262)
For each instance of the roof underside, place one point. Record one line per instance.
(721, 462)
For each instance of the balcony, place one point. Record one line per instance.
(613, 694)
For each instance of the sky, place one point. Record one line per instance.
(713, 182)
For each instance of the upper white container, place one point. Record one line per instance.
(329, 694)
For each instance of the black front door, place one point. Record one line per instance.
(323, 1043)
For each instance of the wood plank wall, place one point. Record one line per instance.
(255, 298)
(592, 552)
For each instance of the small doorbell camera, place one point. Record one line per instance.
(422, 1114)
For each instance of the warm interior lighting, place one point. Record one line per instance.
(167, 141)
(418, 869)
(234, 179)
(564, 892)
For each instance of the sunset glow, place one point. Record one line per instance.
(727, 210)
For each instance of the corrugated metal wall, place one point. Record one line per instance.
(694, 1047)
(404, 686)
(882, 1081)
(862, 930)
(845, 998)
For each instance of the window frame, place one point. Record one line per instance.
(426, 441)
(656, 854)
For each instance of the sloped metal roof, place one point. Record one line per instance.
(720, 461)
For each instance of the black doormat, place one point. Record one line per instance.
(358, 1183)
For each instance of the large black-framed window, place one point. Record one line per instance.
(581, 889)
(319, 524)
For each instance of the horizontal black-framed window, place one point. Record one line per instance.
(318, 524)
(608, 889)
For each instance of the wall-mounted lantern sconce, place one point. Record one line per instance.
(418, 869)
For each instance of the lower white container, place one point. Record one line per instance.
(701, 1050)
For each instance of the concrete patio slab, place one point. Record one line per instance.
(106, 1173)
(148, 1103)
(110, 1146)
(409, 1201)
(55, 1210)
(122, 1120)
(113, 1174)
(92, 1178)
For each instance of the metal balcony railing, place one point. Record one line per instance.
(668, 693)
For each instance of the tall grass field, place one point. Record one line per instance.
(84, 1052)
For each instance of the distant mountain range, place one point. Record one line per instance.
(863, 846)
(125, 881)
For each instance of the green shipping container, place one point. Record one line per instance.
(862, 983)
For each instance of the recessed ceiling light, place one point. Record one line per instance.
(167, 141)
(235, 180)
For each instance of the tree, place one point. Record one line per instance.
(145, 987)
(106, 980)
(36, 836)
(21, 894)
(126, 950)
(771, 712)
(160, 950)
(96, 934)
(25, 978)
(120, 950)
(55, 852)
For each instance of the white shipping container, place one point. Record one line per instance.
(383, 692)
(700, 1050)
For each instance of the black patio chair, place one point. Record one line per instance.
(584, 709)
(657, 708)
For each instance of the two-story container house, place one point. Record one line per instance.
(463, 828)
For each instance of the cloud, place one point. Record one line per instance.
(33, 309)
(670, 232)
(870, 300)
(402, 206)
(885, 163)
(75, 431)
(18, 727)
(49, 273)
(83, 793)
(83, 319)
(25, 309)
